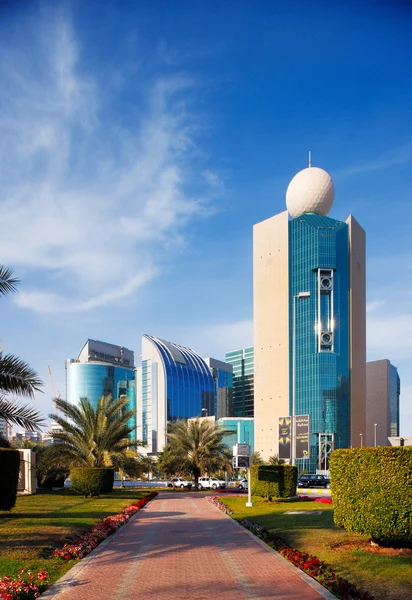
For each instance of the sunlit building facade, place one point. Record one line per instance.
(102, 369)
(309, 322)
(173, 383)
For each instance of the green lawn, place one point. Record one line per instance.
(385, 573)
(38, 524)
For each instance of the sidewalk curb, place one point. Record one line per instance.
(322, 591)
(65, 582)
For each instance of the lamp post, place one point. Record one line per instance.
(361, 440)
(375, 425)
(293, 449)
(204, 412)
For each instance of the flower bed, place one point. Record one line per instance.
(323, 499)
(99, 532)
(216, 502)
(311, 565)
(27, 586)
(23, 587)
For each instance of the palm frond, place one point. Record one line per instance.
(17, 377)
(8, 283)
(23, 415)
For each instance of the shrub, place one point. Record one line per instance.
(9, 469)
(91, 481)
(372, 491)
(277, 481)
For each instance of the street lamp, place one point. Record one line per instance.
(293, 449)
(204, 411)
(361, 439)
(374, 434)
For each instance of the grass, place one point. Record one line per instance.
(385, 573)
(40, 523)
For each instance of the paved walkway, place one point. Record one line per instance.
(182, 547)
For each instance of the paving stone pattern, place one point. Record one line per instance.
(182, 547)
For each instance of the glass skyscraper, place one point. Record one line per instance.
(242, 362)
(173, 383)
(222, 374)
(102, 369)
(383, 389)
(309, 323)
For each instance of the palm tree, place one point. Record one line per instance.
(198, 443)
(147, 465)
(256, 459)
(275, 460)
(93, 437)
(16, 377)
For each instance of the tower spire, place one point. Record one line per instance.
(310, 159)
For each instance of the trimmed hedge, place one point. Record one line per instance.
(372, 491)
(274, 481)
(9, 477)
(91, 481)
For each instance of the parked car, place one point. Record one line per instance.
(308, 480)
(243, 484)
(179, 482)
(207, 483)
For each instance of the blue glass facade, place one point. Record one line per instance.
(319, 326)
(246, 431)
(242, 362)
(189, 383)
(92, 381)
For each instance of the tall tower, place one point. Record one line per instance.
(309, 321)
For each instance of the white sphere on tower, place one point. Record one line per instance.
(310, 191)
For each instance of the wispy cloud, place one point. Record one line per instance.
(91, 200)
(387, 160)
(374, 305)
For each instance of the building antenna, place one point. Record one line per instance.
(310, 159)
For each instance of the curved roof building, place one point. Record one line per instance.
(173, 383)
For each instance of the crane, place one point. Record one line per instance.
(55, 397)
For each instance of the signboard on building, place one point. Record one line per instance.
(285, 436)
(302, 444)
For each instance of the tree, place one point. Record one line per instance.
(256, 459)
(275, 460)
(16, 377)
(93, 437)
(147, 465)
(196, 445)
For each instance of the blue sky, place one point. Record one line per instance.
(140, 142)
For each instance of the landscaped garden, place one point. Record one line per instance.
(39, 525)
(386, 573)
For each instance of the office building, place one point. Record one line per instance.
(242, 428)
(4, 429)
(102, 369)
(309, 322)
(242, 362)
(222, 374)
(172, 383)
(382, 402)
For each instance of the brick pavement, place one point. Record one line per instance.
(182, 547)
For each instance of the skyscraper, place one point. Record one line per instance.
(102, 369)
(243, 382)
(383, 388)
(173, 383)
(222, 374)
(309, 322)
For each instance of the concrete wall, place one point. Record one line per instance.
(271, 330)
(377, 402)
(357, 324)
